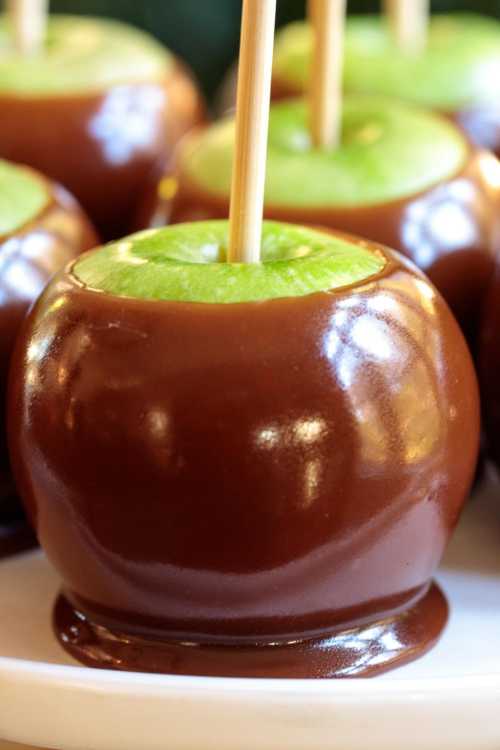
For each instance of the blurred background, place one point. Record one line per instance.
(206, 32)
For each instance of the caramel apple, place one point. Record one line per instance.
(244, 469)
(41, 229)
(401, 176)
(96, 109)
(456, 73)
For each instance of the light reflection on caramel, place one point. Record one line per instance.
(407, 431)
(306, 433)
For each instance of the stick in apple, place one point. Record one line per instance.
(328, 21)
(29, 22)
(252, 121)
(409, 22)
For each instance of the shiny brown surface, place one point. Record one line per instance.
(489, 368)
(101, 146)
(28, 259)
(246, 473)
(450, 231)
(364, 651)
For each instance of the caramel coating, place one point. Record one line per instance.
(103, 146)
(489, 368)
(245, 473)
(30, 257)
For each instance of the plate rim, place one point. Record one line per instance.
(143, 682)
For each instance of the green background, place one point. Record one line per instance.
(205, 32)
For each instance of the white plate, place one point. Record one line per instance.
(449, 700)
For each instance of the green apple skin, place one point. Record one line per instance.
(82, 54)
(460, 67)
(97, 110)
(23, 195)
(187, 263)
(389, 150)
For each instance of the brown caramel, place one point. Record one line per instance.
(213, 478)
(29, 257)
(362, 651)
(86, 141)
(489, 368)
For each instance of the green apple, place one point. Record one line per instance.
(23, 195)
(460, 67)
(390, 150)
(81, 54)
(187, 263)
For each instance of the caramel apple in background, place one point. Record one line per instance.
(306, 428)
(455, 71)
(41, 229)
(96, 106)
(401, 176)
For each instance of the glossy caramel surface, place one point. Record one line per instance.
(489, 368)
(244, 473)
(28, 259)
(104, 146)
(364, 651)
(450, 231)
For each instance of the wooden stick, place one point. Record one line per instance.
(409, 23)
(328, 21)
(29, 23)
(252, 121)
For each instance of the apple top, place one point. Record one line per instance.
(460, 67)
(187, 263)
(389, 151)
(82, 55)
(23, 195)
